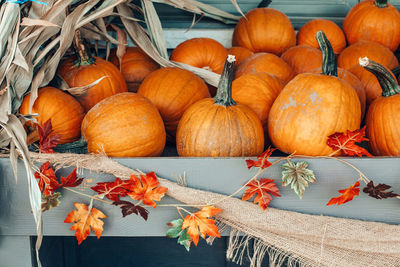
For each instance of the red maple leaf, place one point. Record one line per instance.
(113, 189)
(346, 195)
(262, 160)
(71, 180)
(146, 189)
(47, 179)
(345, 142)
(47, 140)
(262, 189)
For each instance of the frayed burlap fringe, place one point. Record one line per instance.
(291, 237)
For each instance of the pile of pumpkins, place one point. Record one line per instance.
(276, 88)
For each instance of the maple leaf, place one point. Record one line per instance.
(176, 232)
(200, 222)
(262, 160)
(51, 201)
(113, 189)
(346, 195)
(146, 189)
(127, 208)
(47, 179)
(297, 176)
(379, 191)
(262, 189)
(71, 180)
(345, 142)
(47, 140)
(85, 219)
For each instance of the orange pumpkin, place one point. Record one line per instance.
(219, 127)
(306, 34)
(64, 110)
(136, 65)
(172, 91)
(264, 30)
(383, 116)
(302, 58)
(85, 70)
(124, 125)
(311, 107)
(240, 53)
(374, 20)
(203, 53)
(266, 62)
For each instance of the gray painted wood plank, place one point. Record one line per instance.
(15, 251)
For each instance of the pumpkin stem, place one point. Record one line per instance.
(224, 91)
(386, 80)
(381, 3)
(329, 66)
(84, 57)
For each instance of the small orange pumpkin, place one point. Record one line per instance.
(64, 110)
(240, 53)
(124, 125)
(302, 58)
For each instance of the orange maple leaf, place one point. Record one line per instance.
(262, 160)
(199, 222)
(346, 195)
(146, 189)
(84, 219)
(262, 189)
(47, 179)
(345, 142)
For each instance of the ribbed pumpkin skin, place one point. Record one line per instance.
(210, 130)
(124, 125)
(264, 30)
(303, 58)
(306, 34)
(309, 109)
(77, 76)
(266, 62)
(369, 22)
(201, 53)
(172, 91)
(240, 53)
(383, 120)
(136, 65)
(64, 110)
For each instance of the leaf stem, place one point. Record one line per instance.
(89, 196)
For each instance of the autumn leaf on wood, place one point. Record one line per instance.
(199, 223)
(262, 160)
(47, 140)
(345, 142)
(71, 180)
(379, 191)
(112, 190)
(263, 190)
(346, 195)
(176, 232)
(47, 179)
(51, 201)
(85, 220)
(297, 175)
(127, 208)
(146, 189)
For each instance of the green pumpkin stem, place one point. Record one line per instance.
(83, 55)
(329, 66)
(381, 3)
(386, 80)
(224, 91)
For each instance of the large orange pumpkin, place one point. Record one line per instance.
(266, 62)
(311, 107)
(240, 53)
(264, 30)
(203, 53)
(64, 110)
(374, 20)
(383, 116)
(172, 91)
(136, 65)
(306, 34)
(219, 127)
(302, 58)
(124, 125)
(85, 70)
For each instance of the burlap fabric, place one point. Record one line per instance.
(291, 237)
